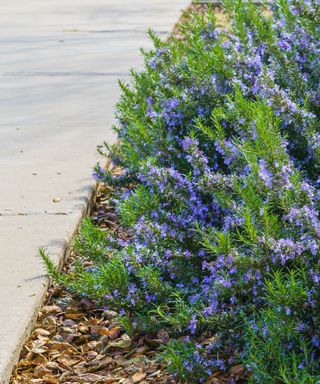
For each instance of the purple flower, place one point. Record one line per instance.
(193, 325)
(283, 44)
(265, 174)
(153, 62)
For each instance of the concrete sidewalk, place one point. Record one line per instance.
(60, 61)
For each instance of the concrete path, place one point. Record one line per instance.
(60, 61)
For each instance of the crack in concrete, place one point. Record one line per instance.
(63, 74)
(124, 31)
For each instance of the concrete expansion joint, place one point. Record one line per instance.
(42, 213)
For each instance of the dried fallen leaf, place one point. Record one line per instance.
(67, 361)
(41, 371)
(124, 342)
(50, 379)
(90, 378)
(78, 315)
(137, 377)
(89, 346)
(83, 329)
(41, 332)
(103, 331)
(124, 361)
(38, 347)
(51, 309)
(50, 323)
(141, 350)
(39, 360)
